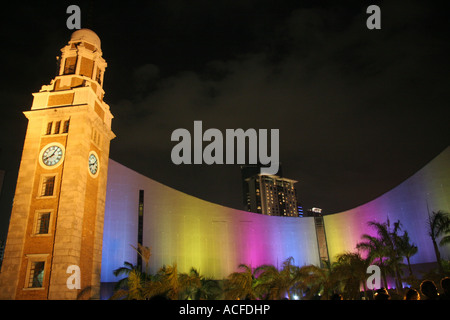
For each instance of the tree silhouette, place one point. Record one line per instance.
(439, 225)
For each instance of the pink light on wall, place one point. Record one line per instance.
(410, 202)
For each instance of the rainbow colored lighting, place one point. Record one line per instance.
(410, 202)
(215, 239)
(195, 233)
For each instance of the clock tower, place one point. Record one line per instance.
(55, 234)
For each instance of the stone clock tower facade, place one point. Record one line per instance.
(56, 225)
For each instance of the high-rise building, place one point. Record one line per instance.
(271, 195)
(248, 171)
(58, 210)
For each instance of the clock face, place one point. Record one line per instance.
(52, 155)
(93, 164)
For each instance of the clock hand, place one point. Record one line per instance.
(50, 155)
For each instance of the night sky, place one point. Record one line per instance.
(359, 110)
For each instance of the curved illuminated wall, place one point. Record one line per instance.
(215, 239)
(193, 232)
(426, 191)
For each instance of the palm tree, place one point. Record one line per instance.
(155, 286)
(137, 285)
(276, 284)
(241, 285)
(190, 283)
(269, 284)
(406, 248)
(133, 289)
(145, 253)
(125, 270)
(439, 225)
(376, 253)
(384, 246)
(210, 289)
(292, 280)
(314, 280)
(133, 270)
(195, 286)
(168, 277)
(388, 239)
(350, 270)
(330, 285)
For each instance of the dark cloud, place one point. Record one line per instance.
(340, 95)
